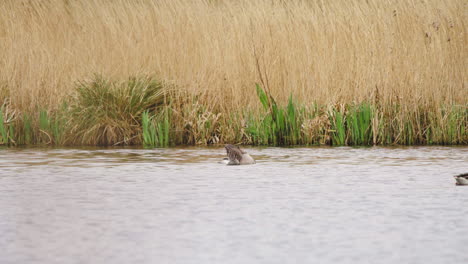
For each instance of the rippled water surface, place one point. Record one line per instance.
(296, 205)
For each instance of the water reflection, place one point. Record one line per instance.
(296, 205)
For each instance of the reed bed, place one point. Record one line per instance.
(254, 72)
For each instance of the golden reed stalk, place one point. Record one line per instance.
(410, 53)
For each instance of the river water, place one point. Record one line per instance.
(179, 205)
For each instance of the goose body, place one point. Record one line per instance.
(462, 179)
(236, 156)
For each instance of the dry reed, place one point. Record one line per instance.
(410, 54)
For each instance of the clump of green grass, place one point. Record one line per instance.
(137, 111)
(109, 112)
(156, 129)
(279, 126)
(58, 125)
(26, 136)
(51, 127)
(3, 129)
(15, 130)
(457, 123)
(258, 129)
(44, 127)
(338, 134)
(149, 130)
(359, 124)
(352, 124)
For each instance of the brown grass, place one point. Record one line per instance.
(411, 53)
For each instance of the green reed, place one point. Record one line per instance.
(338, 134)
(27, 130)
(57, 126)
(52, 127)
(4, 132)
(358, 124)
(278, 126)
(139, 112)
(149, 130)
(44, 126)
(156, 129)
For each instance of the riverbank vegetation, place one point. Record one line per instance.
(211, 72)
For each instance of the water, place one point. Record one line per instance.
(296, 205)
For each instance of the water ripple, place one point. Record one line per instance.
(179, 205)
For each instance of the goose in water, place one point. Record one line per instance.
(462, 179)
(236, 156)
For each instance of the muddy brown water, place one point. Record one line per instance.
(179, 205)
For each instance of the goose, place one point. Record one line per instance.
(236, 156)
(462, 179)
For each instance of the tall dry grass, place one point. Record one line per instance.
(407, 53)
